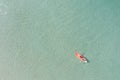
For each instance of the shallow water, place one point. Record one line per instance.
(38, 39)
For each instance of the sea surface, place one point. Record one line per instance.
(38, 39)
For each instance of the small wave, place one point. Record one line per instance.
(3, 9)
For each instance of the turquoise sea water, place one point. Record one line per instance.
(38, 39)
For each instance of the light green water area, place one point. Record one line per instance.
(38, 39)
